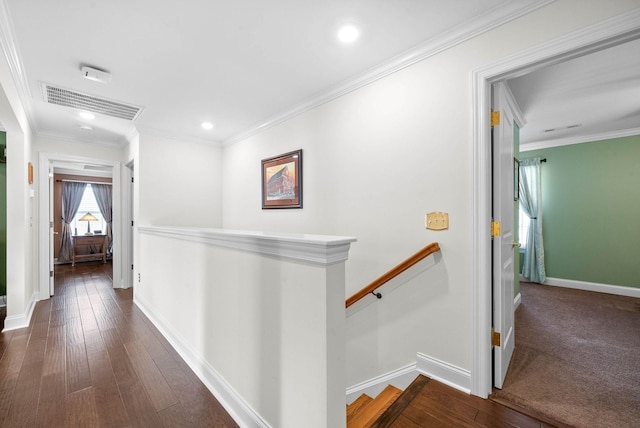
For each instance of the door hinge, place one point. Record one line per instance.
(131, 223)
(495, 338)
(131, 267)
(132, 179)
(51, 224)
(495, 228)
(50, 274)
(495, 118)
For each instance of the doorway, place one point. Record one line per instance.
(597, 37)
(48, 162)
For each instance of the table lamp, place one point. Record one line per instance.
(88, 217)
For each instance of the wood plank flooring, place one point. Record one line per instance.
(90, 358)
(428, 403)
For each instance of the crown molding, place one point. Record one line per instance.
(154, 132)
(459, 34)
(72, 139)
(526, 147)
(14, 60)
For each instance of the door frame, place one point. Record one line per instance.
(605, 34)
(45, 161)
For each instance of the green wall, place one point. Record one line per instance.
(3, 217)
(591, 211)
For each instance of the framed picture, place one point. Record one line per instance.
(516, 179)
(282, 181)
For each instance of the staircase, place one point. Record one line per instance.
(365, 411)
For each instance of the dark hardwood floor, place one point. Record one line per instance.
(90, 358)
(428, 403)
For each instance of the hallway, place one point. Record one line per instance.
(91, 358)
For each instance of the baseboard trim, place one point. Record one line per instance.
(15, 322)
(517, 301)
(228, 397)
(444, 372)
(402, 377)
(594, 286)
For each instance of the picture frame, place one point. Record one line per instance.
(30, 173)
(282, 181)
(516, 179)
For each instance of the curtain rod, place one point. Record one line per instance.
(82, 181)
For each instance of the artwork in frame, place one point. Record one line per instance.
(282, 181)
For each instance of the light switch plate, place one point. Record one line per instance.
(437, 221)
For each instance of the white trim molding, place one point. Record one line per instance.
(493, 18)
(444, 372)
(606, 33)
(517, 301)
(14, 322)
(229, 398)
(402, 377)
(321, 250)
(594, 286)
(580, 139)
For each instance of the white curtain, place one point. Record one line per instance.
(102, 192)
(72, 193)
(531, 203)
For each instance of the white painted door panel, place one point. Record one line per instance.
(503, 253)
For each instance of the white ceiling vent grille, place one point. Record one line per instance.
(93, 104)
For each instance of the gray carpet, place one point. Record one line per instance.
(577, 357)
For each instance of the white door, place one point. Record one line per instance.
(503, 241)
(52, 232)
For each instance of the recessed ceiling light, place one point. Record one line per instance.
(86, 115)
(348, 33)
(207, 125)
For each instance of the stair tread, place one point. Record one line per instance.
(400, 404)
(368, 414)
(359, 402)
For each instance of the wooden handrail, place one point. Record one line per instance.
(426, 251)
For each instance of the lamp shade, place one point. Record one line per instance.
(88, 217)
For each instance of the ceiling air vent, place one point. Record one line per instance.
(93, 104)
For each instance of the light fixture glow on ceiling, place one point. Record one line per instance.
(207, 125)
(86, 115)
(86, 127)
(348, 33)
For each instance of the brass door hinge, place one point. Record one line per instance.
(495, 228)
(495, 118)
(495, 338)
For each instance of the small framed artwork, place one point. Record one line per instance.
(516, 179)
(282, 181)
(30, 173)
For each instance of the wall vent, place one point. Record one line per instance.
(68, 98)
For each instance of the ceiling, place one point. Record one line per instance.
(592, 95)
(245, 64)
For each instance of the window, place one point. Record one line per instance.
(88, 205)
(524, 227)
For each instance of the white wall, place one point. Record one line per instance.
(179, 182)
(376, 160)
(21, 251)
(265, 331)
